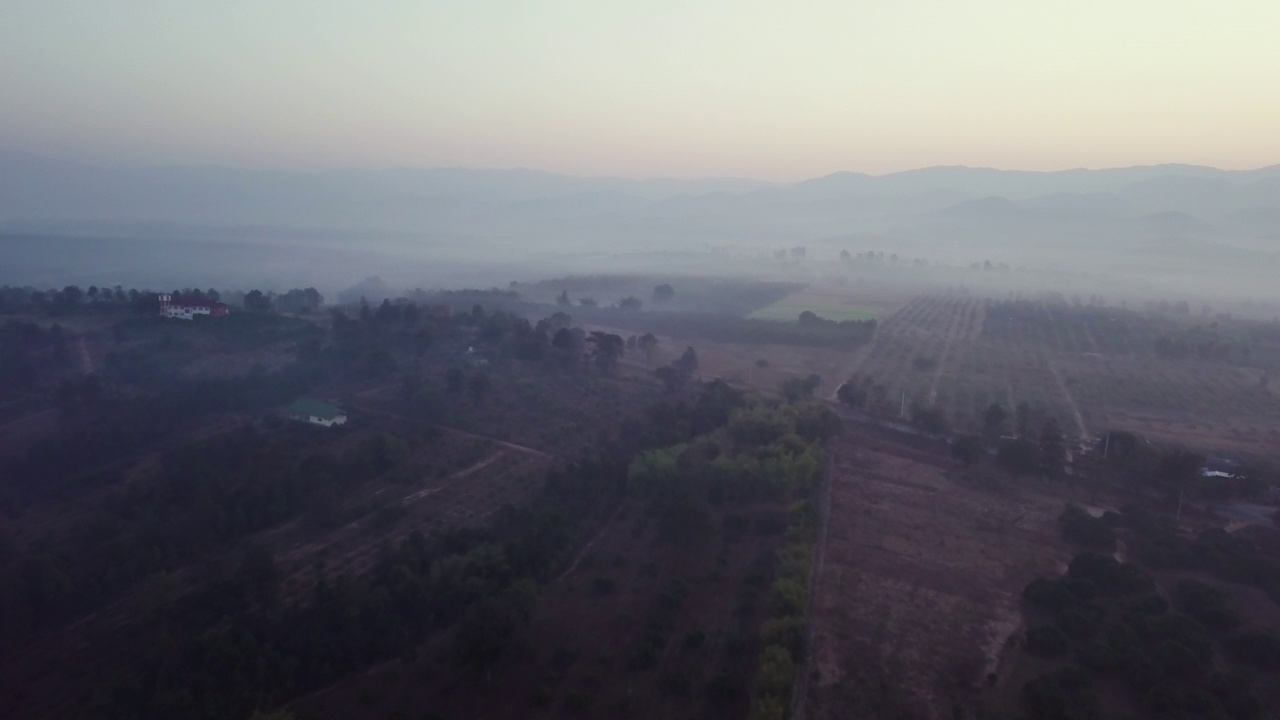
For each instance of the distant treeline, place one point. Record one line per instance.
(73, 299)
(808, 329)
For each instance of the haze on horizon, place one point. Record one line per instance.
(669, 89)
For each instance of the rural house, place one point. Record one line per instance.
(316, 412)
(187, 308)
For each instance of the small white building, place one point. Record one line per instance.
(316, 413)
(187, 308)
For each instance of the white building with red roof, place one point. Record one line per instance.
(189, 307)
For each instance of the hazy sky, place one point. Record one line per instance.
(682, 88)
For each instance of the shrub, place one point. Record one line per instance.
(1256, 647)
(1205, 603)
(1048, 594)
(788, 632)
(1046, 641)
(1087, 531)
(787, 597)
(1081, 621)
(693, 640)
(1149, 605)
(776, 673)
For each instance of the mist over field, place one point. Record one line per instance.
(1170, 231)
(676, 360)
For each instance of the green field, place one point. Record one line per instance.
(829, 308)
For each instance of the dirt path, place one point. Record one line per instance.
(1071, 401)
(856, 360)
(583, 552)
(455, 431)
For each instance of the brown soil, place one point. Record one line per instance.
(920, 590)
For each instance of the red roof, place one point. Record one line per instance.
(196, 302)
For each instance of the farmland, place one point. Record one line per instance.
(919, 590)
(832, 302)
(1089, 368)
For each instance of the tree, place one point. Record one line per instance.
(688, 362)
(797, 389)
(494, 626)
(967, 449)
(454, 379)
(672, 379)
(563, 299)
(1022, 419)
(606, 349)
(479, 386)
(647, 343)
(663, 293)
(1052, 451)
(930, 419)
(993, 420)
(845, 257)
(1018, 456)
(587, 302)
(853, 392)
(254, 300)
(630, 303)
(386, 312)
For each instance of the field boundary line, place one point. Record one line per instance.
(800, 686)
(446, 428)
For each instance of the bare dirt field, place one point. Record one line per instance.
(920, 588)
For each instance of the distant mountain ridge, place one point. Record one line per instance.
(945, 213)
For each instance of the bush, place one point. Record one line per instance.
(776, 673)
(788, 632)
(1087, 531)
(1081, 621)
(694, 640)
(1098, 656)
(1149, 605)
(787, 597)
(1108, 576)
(1260, 648)
(1205, 603)
(1046, 641)
(1048, 594)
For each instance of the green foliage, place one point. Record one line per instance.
(1018, 457)
(788, 632)
(967, 449)
(1205, 603)
(1051, 595)
(1087, 531)
(1046, 641)
(775, 674)
(1064, 695)
(1260, 648)
(1111, 578)
(797, 389)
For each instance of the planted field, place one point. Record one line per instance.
(430, 497)
(919, 590)
(829, 302)
(1090, 369)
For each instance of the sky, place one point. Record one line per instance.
(688, 88)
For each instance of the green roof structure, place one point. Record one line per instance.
(308, 407)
